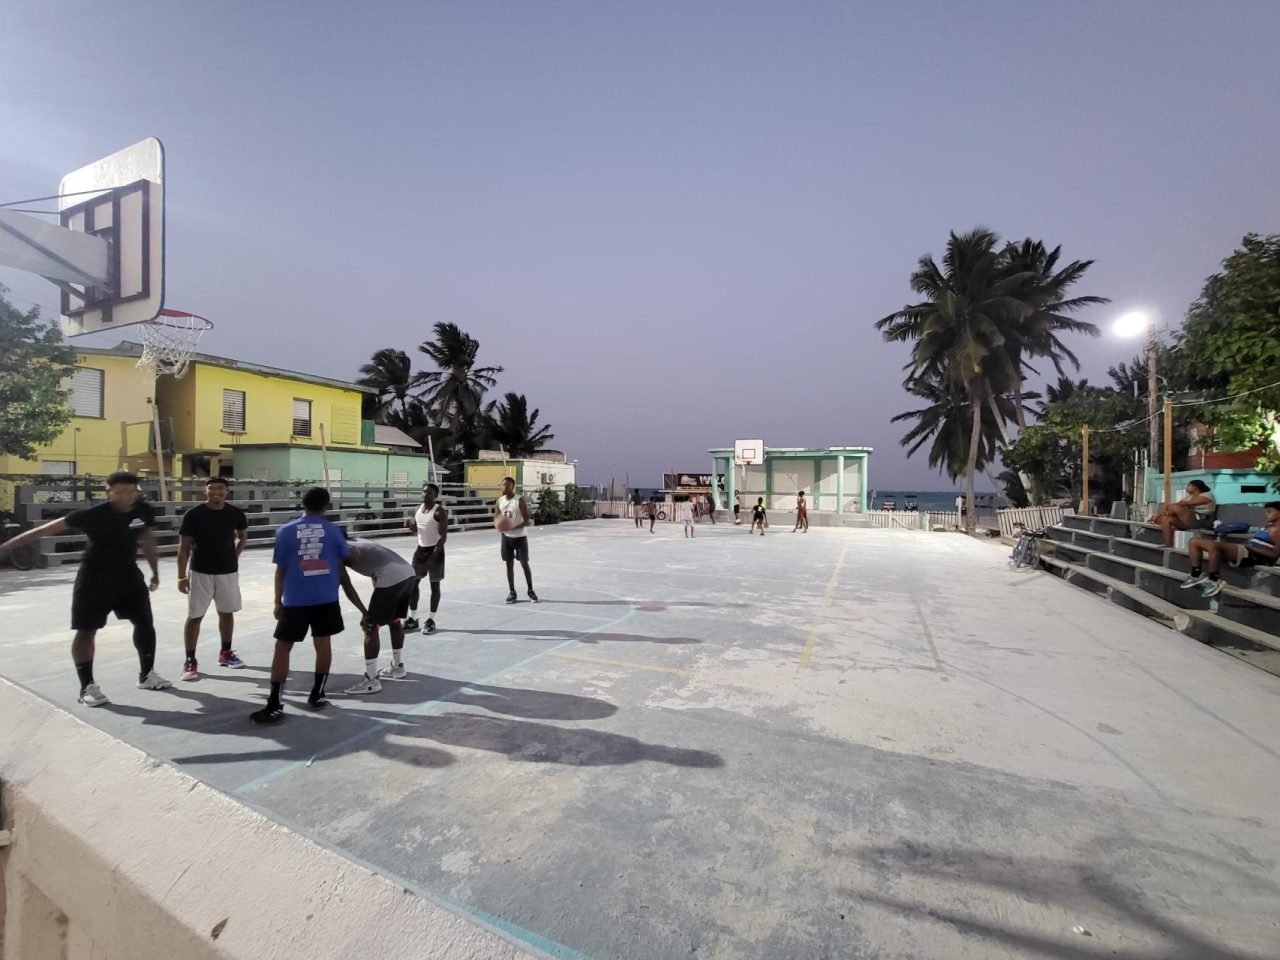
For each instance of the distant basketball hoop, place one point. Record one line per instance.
(170, 339)
(747, 453)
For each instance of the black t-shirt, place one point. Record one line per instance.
(213, 537)
(113, 536)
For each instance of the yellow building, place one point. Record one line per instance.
(223, 417)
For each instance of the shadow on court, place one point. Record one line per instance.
(561, 636)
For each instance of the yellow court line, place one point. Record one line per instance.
(827, 594)
(619, 663)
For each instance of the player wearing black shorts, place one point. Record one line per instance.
(758, 517)
(393, 583)
(109, 580)
(431, 524)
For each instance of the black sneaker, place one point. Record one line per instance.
(512, 598)
(411, 625)
(533, 597)
(271, 713)
(318, 703)
(431, 626)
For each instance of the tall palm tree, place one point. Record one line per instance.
(390, 372)
(1060, 392)
(454, 392)
(945, 424)
(1036, 332)
(517, 429)
(958, 330)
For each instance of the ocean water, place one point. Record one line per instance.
(935, 500)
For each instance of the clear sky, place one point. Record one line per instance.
(673, 223)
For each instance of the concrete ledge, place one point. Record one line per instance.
(115, 854)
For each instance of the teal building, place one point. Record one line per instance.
(833, 479)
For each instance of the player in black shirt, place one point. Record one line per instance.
(109, 580)
(213, 534)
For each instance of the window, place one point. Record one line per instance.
(86, 392)
(58, 468)
(233, 411)
(301, 418)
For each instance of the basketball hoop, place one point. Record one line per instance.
(169, 340)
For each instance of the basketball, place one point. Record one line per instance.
(502, 522)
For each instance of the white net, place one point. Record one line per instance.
(169, 340)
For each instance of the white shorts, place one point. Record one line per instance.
(220, 589)
(688, 521)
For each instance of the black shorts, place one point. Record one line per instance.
(737, 509)
(389, 604)
(322, 619)
(126, 596)
(429, 562)
(515, 548)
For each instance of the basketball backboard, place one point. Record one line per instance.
(119, 199)
(748, 452)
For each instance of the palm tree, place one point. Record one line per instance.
(959, 331)
(454, 392)
(1060, 392)
(517, 429)
(946, 422)
(390, 372)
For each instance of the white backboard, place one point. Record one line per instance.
(119, 198)
(748, 451)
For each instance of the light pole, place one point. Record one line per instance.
(1133, 324)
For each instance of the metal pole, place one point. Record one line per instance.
(155, 420)
(1168, 450)
(324, 457)
(1153, 425)
(1084, 466)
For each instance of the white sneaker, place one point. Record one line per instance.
(154, 681)
(393, 671)
(92, 696)
(364, 686)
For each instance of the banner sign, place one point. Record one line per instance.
(677, 481)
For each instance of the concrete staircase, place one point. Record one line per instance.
(1127, 563)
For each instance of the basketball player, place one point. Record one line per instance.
(394, 581)
(309, 552)
(802, 514)
(431, 523)
(653, 513)
(109, 580)
(711, 508)
(686, 516)
(758, 517)
(216, 531)
(737, 509)
(513, 522)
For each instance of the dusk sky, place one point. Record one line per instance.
(673, 223)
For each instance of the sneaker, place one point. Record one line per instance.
(1212, 588)
(92, 696)
(190, 670)
(431, 626)
(512, 598)
(533, 597)
(228, 658)
(318, 703)
(153, 681)
(364, 685)
(393, 671)
(271, 713)
(411, 625)
(1193, 581)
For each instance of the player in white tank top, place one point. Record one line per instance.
(515, 539)
(428, 559)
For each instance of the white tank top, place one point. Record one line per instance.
(509, 507)
(428, 526)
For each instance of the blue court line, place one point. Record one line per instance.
(380, 722)
(533, 608)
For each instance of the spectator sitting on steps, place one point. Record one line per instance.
(1195, 511)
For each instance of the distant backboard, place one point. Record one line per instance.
(120, 199)
(748, 451)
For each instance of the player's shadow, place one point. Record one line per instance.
(510, 701)
(645, 606)
(1081, 887)
(561, 636)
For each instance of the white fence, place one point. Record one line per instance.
(1033, 518)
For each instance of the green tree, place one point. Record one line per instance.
(1230, 341)
(517, 429)
(454, 391)
(549, 508)
(958, 331)
(390, 372)
(34, 364)
(945, 425)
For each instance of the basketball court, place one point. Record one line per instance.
(850, 743)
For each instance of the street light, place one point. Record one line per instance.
(1133, 324)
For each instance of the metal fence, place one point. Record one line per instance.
(1033, 518)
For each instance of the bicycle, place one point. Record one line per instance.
(1026, 551)
(24, 557)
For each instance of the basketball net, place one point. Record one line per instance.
(169, 340)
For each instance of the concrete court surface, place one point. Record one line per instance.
(847, 743)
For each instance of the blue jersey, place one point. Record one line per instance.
(311, 550)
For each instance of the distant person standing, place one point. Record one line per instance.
(653, 513)
(309, 552)
(737, 509)
(686, 516)
(512, 520)
(711, 508)
(109, 580)
(211, 538)
(758, 517)
(431, 523)
(394, 580)
(802, 514)
(638, 509)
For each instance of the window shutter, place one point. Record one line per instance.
(302, 418)
(86, 392)
(233, 411)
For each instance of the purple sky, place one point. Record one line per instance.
(674, 224)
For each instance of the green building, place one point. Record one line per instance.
(833, 479)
